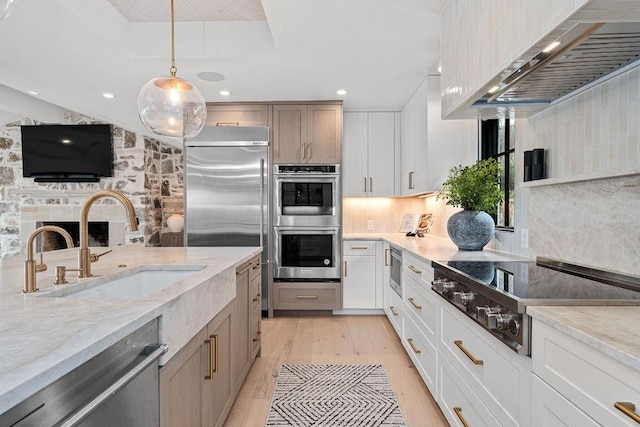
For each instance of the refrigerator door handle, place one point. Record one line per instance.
(262, 204)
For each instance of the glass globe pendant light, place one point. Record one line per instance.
(6, 7)
(171, 106)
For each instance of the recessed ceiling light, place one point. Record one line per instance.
(210, 76)
(66, 141)
(341, 92)
(108, 95)
(33, 92)
(551, 47)
(225, 93)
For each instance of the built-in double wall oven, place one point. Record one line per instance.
(307, 222)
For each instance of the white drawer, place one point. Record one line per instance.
(359, 247)
(422, 352)
(495, 372)
(422, 303)
(550, 409)
(458, 403)
(395, 311)
(591, 380)
(417, 268)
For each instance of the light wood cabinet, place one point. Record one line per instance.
(369, 147)
(232, 114)
(431, 146)
(199, 384)
(195, 385)
(305, 133)
(307, 296)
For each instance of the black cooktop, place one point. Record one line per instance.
(547, 280)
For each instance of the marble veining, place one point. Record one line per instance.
(610, 330)
(42, 338)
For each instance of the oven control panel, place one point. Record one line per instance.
(493, 316)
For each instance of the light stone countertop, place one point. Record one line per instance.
(434, 248)
(42, 338)
(612, 330)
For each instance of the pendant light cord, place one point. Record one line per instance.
(173, 70)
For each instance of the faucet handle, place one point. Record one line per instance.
(95, 257)
(42, 266)
(61, 272)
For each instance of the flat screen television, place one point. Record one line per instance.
(67, 153)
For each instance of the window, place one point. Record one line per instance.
(498, 140)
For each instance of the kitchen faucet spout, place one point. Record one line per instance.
(85, 257)
(31, 268)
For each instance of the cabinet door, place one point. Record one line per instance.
(237, 114)
(359, 284)
(381, 153)
(240, 317)
(255, 315)
(324, 134)
(218, 390)
(182, 386)
(550, 409)
(289, 133)
(355, 155)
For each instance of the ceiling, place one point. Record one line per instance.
(72, 51)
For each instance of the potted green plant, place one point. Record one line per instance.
(475, 189)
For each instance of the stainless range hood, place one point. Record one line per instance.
(587, 52)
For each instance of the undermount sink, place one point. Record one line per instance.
(136, 283)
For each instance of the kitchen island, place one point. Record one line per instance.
(43, 337)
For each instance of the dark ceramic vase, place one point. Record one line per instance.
(470, 230)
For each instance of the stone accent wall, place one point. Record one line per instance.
(139, 163)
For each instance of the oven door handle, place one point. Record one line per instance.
(90, 407)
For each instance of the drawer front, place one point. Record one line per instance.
(459, 404)
(550, 409)
(422, 303)
(307, 296)
(359, 247)
(591, 380)
(484, 363)
(395, 311)
(422, 352)
(417, 268)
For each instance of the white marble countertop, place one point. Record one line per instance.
(612, 330)
(433, 248)
(42, 337)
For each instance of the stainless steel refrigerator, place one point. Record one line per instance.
(227, 195)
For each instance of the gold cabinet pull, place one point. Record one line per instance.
(386, 257)
(257, 298)
(468, 354)
(258, 336)
(415, 270)
(629, 409)
(256, 266)
(393, 310)
(413, 347)
(458, 411)
(413, 303)
(309, 151)
(345, 269)
(228, 124)
(360, 248)
(370, 185)
(238, 273)
(304, 151)
(411, 180)
(365, 184)
(213, 356)
(307, 296)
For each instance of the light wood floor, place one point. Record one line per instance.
(331, 340)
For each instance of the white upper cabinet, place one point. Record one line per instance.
(429, 145)
(369, 145)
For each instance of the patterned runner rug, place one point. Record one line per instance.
(334, 395)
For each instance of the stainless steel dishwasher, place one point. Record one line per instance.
(118, 387)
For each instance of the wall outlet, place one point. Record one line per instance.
(524, 238)
(370, 225)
